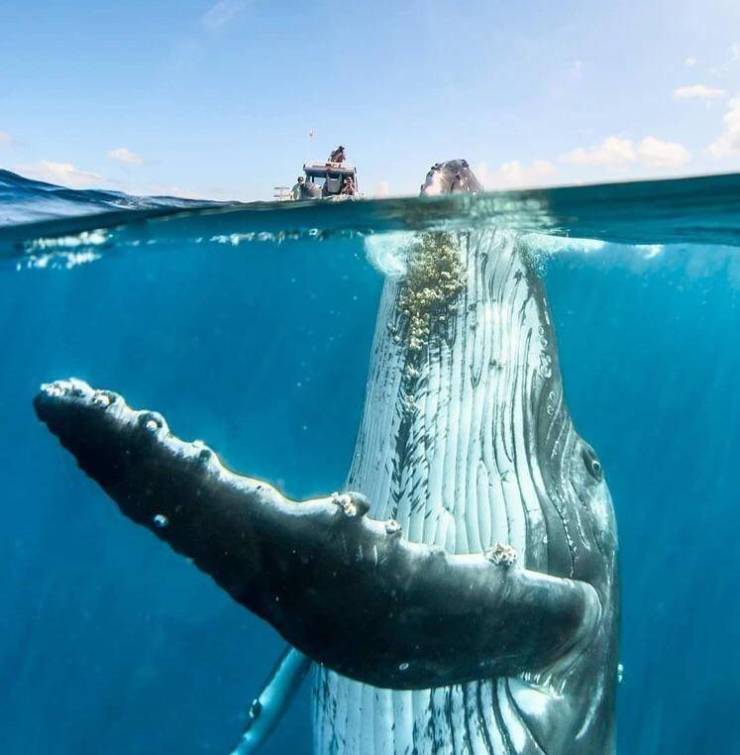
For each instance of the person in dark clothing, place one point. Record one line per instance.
(337, 156)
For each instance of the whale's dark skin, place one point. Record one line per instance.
(480, 649)
(348, 591)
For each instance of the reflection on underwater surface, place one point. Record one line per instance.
(262, 349)
(694, 210)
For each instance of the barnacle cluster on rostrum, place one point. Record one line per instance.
(431, 286)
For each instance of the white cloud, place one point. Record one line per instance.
(616, 152)
(60, 173)
(656, 153)
(514, 175)
(613, 151)
(728, 143)
(5, 139)
(698, 92)
(125, 156)
(690, 62)
(222, 13)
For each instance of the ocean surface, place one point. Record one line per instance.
(250, 326)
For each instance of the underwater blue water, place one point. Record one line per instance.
(251, 329)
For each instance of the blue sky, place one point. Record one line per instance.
(218, 98)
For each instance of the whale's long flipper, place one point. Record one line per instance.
(270, 705)
(348, 591)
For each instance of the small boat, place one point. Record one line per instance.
(329, 181)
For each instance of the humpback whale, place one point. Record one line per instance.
(461, 594)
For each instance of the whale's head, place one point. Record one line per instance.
(479, 447)
(450, 177)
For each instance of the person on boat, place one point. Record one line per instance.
(337, 156)
(297, 191)
(348, 187)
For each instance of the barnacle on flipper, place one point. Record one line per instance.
(502, 555)
(434, 280)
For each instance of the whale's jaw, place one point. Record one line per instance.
(467, 443)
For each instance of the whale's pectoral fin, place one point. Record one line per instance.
(348, 591)
(270, 705)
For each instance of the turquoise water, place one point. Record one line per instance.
(250, 327)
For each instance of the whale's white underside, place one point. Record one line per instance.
(466, 478)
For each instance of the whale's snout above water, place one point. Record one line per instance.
(450, 177)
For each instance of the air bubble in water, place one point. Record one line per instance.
(161, 521)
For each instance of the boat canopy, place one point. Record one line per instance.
(322, 170)
(327, 179)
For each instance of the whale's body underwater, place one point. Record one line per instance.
(467, 600)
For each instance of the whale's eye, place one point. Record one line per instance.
(592, 463)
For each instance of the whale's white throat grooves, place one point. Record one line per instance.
(450, 454)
